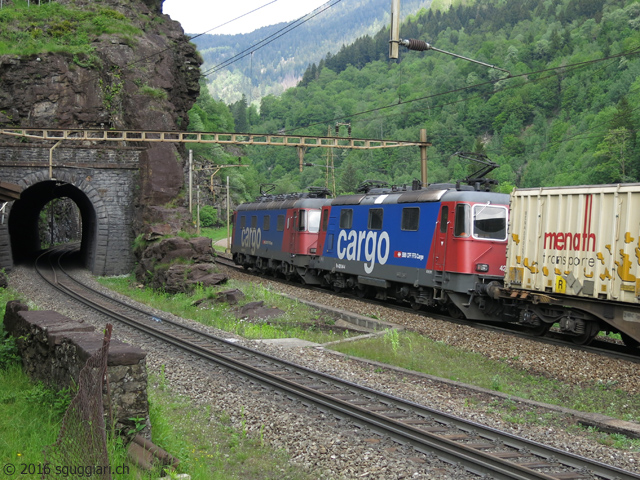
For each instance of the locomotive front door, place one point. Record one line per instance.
(440, 247)
(291, 230)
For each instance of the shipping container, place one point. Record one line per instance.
(578, 241)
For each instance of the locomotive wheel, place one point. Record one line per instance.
(587, 337)
(454, 311)
(538, 330)
(415, 305)
(629, 342)
(363, 291)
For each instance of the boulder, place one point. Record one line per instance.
(230, 297)
(184, 278)
(162, 255)
(255, 311)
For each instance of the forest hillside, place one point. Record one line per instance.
(282, 52)
(565, 111)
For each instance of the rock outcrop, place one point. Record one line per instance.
(147, 81)
(177, 265)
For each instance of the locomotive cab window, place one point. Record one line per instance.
(410, 219)
(346, 218)
(302, 220)
(280, 226)
(375, 218)
(444, 219)
(462, 225)
(490, 222)
(266, 222)
(313, 220)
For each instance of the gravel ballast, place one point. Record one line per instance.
(339, 449)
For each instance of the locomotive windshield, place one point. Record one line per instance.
(314, 220)
(490, 222)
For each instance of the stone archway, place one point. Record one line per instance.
(38, 190)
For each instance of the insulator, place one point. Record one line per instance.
(414, 44)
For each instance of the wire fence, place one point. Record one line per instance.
(82, 441)
(4, 3)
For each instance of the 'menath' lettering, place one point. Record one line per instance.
(571, 241)
(574, 241)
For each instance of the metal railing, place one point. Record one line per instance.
(29, 2)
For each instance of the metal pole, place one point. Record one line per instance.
(228, 249)
(51, 159)
(198, 212)
(300, 155)
(423, 156)
(394, 39)
(190, 181)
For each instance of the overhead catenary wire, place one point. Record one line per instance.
(127, 66)
(634, 51)
(269, 39)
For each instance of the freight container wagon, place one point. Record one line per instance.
(579, 248)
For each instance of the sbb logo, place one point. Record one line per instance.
(251, 238)
(355, 245)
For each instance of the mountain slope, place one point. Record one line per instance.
(281, 63)
(566, 115)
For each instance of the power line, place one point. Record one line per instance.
(233, 20)
(574, 66)
(159, 52)
(274, 36)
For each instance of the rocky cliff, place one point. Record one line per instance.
(145, 80)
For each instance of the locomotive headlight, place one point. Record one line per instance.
(312, 250)
(482, 267)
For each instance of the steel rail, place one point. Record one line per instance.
(598, 347)
(474, 460)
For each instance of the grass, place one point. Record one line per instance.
(414, 352)
(30, 417)
(215, 449)
(56, 28)
(299, 320)
(208, 445)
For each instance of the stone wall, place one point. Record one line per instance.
(54, 349)
(6, 259)
(103, 182)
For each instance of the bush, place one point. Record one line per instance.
(208, 216)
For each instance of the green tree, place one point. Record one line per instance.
(614, 153)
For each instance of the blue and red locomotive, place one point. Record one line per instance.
(437, 246)
(448, 247)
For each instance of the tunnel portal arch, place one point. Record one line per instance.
(100, 254)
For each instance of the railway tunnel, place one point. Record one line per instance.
(103, 196)
(25, 224)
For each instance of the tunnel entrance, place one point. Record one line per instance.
(52, 212)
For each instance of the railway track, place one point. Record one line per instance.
(481, 450)
(611, 349)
